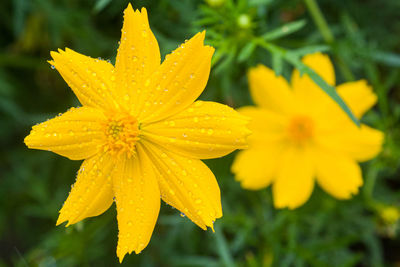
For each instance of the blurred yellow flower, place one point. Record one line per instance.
(300, 135)
(141, 133)
(389, 214)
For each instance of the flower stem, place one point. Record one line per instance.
(319, 20)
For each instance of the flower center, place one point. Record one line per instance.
(301, 129)
(122, 133)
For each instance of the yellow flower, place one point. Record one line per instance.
(389, 214)
(300, 135)
(141, 133)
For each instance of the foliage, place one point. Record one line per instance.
(325, 232)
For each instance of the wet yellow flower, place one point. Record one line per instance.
(301, 136)
(141, 134)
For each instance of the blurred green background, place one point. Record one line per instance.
(361, 36)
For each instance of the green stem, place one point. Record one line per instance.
(319, 20)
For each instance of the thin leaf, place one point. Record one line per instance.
(387, 58)
(246, 51)
(100, 5)
(277, 64)
(222, 248)
(284, 30)
(310, 50)
(259, 2)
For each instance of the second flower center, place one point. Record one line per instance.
(301, 129)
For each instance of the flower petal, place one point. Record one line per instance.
(295, 179)
(138, 202)
(359, 96)
(204, 130)
(337, 174)
(177, 83)
(361, 144)
(138, 57)
(89, 78)
(304, 88)
(248, 170)
(266, 126)
(92, 193)
(76, 134)
(187, 184)
(270, 91)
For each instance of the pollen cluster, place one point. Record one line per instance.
(122, 133)
(300, 129)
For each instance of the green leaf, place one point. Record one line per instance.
(246, 51)
(259, 2)
(100, 5)
(310, 50)
(387, 58)
(284, 30)
(277, 64)
(222, 248)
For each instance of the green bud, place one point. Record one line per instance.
(215, 3)
(244, 21)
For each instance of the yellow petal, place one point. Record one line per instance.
(270, 91)
(76, 134)
(255, 168)
(188, 185)
(177, 83)
(358, 95)
(361, 144)
(92, 193)
(204, 130)
(294, 182)
(138, 202)
(337, 174)
(308, 92)
(89, 78)
(138, 57)
(266, 126)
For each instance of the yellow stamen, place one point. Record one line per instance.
(122, 133)
(301, 129)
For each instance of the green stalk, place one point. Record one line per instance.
(319, 20)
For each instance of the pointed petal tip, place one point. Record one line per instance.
(60, 221)
(129, 7)
(143, 10)
(200, 35)
(121, 257)
(54, 54)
